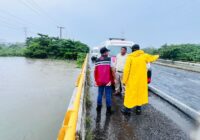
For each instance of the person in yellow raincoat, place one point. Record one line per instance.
(135, 79)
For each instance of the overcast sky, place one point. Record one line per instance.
(147, 22)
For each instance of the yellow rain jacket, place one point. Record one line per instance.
(135, 78)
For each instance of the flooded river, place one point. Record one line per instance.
(34, 95)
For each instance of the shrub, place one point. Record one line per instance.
(51, 47)
(80, 59)
(183, 52)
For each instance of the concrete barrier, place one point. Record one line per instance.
(195, 67)
(74, 119)
(181, 106)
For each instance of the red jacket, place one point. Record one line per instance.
(103, 71)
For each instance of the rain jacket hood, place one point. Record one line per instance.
(136, 53)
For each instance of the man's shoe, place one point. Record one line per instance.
(98, 108)
(126, 111)
(116, 94)
(138, 111)
(109, 111)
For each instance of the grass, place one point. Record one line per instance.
(89, 135)
(88, 103)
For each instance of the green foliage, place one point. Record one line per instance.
(151, 50)
(183, 52)
(51, 47)
(16, 49)
(80, 59)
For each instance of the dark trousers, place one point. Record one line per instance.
(138, 108)
(108, 93)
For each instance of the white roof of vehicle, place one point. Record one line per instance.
(118, 42)
(95, 48)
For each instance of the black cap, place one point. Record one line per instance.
(103, 50)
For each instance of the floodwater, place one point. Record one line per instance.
(34, 96)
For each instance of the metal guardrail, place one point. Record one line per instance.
(179, 62)
(68, 129)
(195, 67)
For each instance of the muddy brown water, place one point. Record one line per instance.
(34, 95)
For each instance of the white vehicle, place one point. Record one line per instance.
(95, 53)
(115, 45)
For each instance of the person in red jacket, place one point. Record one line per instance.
(104, 75)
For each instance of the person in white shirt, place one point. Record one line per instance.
(120, 62)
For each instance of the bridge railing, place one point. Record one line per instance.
(72, 119)
(195, 67)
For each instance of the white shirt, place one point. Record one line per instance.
(148, 66)
(120, 62)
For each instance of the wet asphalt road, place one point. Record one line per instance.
(159, 121)
(180, 84)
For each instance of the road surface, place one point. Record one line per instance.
(180, 84)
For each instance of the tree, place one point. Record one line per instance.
(183, 52)
(51, 47)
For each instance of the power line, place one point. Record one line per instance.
(17, 18)
(36, 10)
(8, 25)
(30, 7)
(11, 26)
(37, 6)
(8, 16)
(25, 33)
(34, 7)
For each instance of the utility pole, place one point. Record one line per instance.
(25, 33)
(61, 28)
